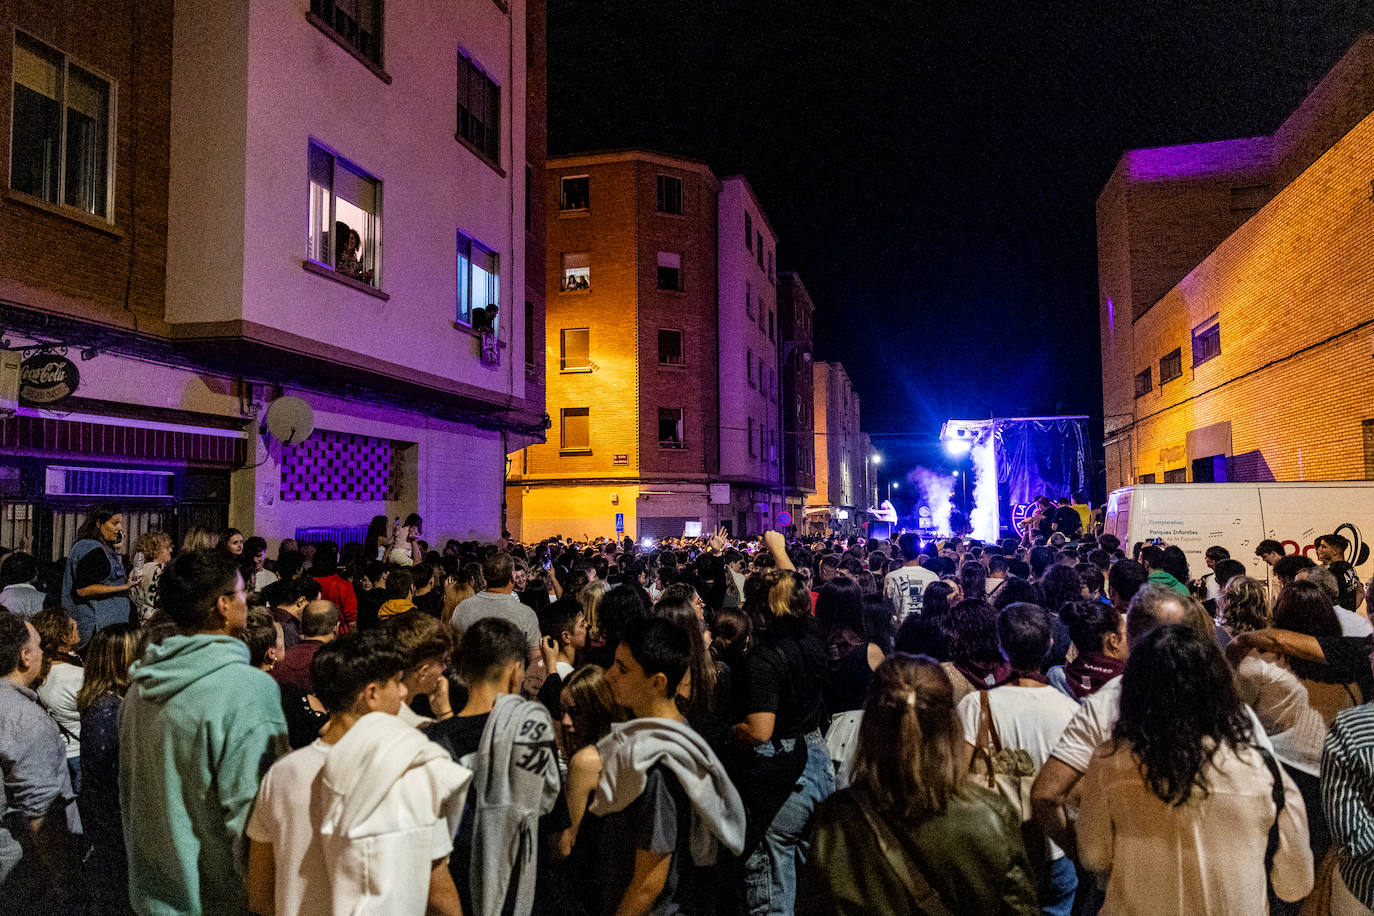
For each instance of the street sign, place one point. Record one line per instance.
(620, 523)
(784, 518)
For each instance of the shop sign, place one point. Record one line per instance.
(47, 378)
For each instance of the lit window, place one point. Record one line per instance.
(478, 282)
(1171, 366)
(1206, 341)
(574, 429)
(574, 350)
(479, 109)
(576, 193)
(669, 270)
(669, 347)
(357, 23)
(669, 194)
(670, 427)
(345, 225)
(577, 272)
(60, 136)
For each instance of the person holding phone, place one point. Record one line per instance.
(95, 588)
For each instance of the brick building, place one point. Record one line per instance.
(219, 225)
(796, 314)
(842, 460)
(1237, 297)
(662, 335)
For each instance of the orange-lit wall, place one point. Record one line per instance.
(1294, 289)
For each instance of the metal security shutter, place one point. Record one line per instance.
(668, 526)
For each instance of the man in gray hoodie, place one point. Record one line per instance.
(508, 743)
(668, 804)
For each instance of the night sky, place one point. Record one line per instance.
(932, 168)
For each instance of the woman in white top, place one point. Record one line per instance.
(1178, 808)
(63, 677)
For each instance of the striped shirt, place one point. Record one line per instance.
(1348, 797)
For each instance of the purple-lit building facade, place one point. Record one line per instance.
(290, 200)
(1228, 310)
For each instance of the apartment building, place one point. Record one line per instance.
(796, 314)
(238, 204)
(1236, 295)
(842, 460)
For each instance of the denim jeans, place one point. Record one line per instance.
(1057, 888)
(771, 869)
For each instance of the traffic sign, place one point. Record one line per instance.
(620, 523)
(784, 518)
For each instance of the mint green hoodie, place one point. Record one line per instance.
(197, 731)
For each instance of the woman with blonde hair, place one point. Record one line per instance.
(911, 827)
(108, 657)
(198, 538)
(152, 553)
(1245, 606)
(589, 596)
(791, 771)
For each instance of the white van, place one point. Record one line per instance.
(1238, 516)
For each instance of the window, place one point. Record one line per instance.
(758, 251)
(577, 271)
(763, 323)
(670, 347)
(749, 366)
(748, 301)
(60, 141)
(670, 427)
(1147, 478)
(752, 452)
(748, 231)
(479, 109)
(1142, 382)
(574, 350)
(574, 429)
(478, 279)
(770, 267)
(1177, 475)
(1171, 366)
(669, 270)
(345, 216)
(1249, 198)
(1206, 341)
(358, 23)
(669, 194)
(577, 193)
(770, 324)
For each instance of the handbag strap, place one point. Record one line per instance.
(988, 741)
(902, 867)
(1272, 847)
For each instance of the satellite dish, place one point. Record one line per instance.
(290, 420)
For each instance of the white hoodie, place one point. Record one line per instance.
(390, 795)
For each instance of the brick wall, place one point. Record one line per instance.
(1294, 290)
(73, 265)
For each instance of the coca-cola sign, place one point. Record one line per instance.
(47, 379)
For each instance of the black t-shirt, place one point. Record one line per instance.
(461, 736)
(1347, 660)
(1348, 582)
(847, 680)
(92, 569)
(660, 821)
(431, 603)
(1068, 521)
(786, 673)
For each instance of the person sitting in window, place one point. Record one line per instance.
(347, 245)
(485, 319)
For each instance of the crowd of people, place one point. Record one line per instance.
(766, 725)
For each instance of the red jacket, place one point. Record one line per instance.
(339, 591)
